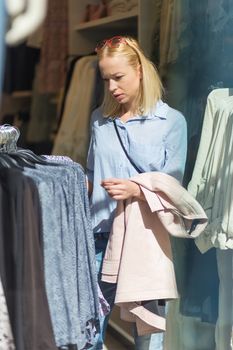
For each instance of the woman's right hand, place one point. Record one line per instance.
(120, 189)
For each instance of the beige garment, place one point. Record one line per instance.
(73, 135)
(179, 26)
(173, 26)
(138, 256)
(211, 181)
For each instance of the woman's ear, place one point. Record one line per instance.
(140, 71)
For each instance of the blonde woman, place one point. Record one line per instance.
(133, 131)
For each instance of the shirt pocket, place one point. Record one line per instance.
(149, 155)
(157, 159)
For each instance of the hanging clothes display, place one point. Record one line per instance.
(47, 260)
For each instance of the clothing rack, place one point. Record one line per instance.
(47, 256)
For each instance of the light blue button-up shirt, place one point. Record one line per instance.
(156, 142)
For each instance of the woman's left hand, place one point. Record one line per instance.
(122, 189)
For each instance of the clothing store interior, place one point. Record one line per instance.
(50, 297)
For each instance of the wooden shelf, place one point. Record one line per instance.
(112, 21)
(138, 23)
(22, 94)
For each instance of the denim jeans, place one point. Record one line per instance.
(146, 342)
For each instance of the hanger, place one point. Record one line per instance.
(8, 143)
(9, 155)
(31, 156)
(7, 162)
(12, 156)
(8, 138)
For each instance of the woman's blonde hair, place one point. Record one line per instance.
(151, 88)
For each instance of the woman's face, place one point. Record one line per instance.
(123, 81)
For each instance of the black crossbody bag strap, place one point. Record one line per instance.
(123, 147)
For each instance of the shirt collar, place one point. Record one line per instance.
(159, 110)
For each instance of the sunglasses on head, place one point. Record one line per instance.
(113, 42)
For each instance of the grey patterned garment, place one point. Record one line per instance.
(58, 159)
(104, 307)
(69, 254)
(6, 337)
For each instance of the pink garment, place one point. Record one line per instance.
(138, 256)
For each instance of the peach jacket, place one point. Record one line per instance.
(138, 256)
